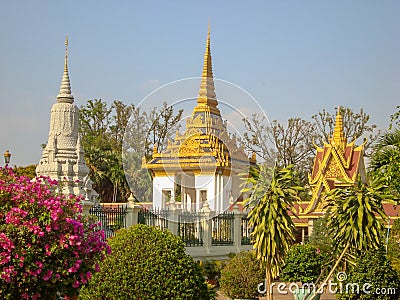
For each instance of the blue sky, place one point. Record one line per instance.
(294, 57)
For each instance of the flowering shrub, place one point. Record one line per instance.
(47, 247)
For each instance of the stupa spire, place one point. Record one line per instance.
(207, 95)
(338, 138)
(65, 89)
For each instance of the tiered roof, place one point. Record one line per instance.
(205, 145)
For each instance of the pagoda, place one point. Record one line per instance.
(200, 166)
(62, 158)
(337, 164)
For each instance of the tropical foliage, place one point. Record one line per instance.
(355, 222)
(47, 248)
(273, 192)
(28, 171)
(393, 247)
(320, 237)
(147, 263)
(302, 264)
(372, 278)
(385, 161)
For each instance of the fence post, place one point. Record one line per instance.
(207, 226)
(173, 215)
(237, 227)
(86, 206)
(132, 210)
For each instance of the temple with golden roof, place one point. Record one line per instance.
(201, 165)
(337, 164)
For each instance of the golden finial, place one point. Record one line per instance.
(66, 42)
(338, 138)
(208, 31)
(207, 90)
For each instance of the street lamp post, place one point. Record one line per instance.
(7, 157)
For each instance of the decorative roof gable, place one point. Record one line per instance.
(336, 164)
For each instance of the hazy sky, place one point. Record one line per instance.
(294, 57)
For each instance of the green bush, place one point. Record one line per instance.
(147, 263)
(394, 246)
(320, 237)
(241, 275)
(373, 269)
(302, 264)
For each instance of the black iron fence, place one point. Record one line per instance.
(190, 229)
(154, 218)
(246, 231)
(111, 218)
(222, 229)
(190, 226)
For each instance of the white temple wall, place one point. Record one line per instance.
(226, 193)
(206, 182)
(160, 184)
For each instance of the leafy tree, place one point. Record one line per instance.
(395, 118)
(147, 263)
(288, 145)
(47, 247)
(109, 132)
(355, 222)
(320, 236)
(273, 193)
(355, 126)
(373, 272)
(385, 160)
(241, 275)
(163, 125)
(28, 171)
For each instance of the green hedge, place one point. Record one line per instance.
(147, 263)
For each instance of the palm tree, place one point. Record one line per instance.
(385, 160)
(273, 192)
(356, 220)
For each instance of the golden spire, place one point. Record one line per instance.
(207, 100)
(65, 88)
(338, 138)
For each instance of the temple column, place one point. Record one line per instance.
(198, 199)
(217, 192)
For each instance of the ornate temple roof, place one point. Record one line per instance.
(336, 164)
(205, 145)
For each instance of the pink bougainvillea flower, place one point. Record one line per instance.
(45, 240)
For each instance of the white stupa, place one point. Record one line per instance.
(62, 158)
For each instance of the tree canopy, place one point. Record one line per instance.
(108, 131)
(294, 142)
